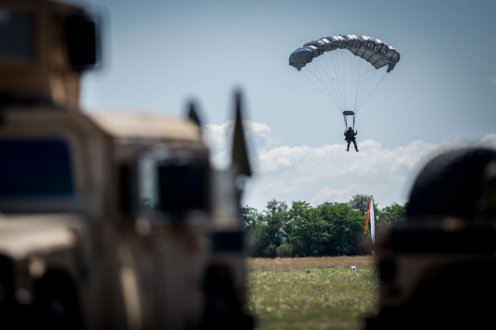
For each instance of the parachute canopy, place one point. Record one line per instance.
(374, 51)
(348, 80)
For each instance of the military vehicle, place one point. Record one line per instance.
(107, 220)
(437, 268)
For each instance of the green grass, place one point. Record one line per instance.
(327, 296)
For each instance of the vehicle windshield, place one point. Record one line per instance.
(35, 168)
(15, 36)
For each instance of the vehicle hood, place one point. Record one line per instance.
(24, 235)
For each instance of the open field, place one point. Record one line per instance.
(312, 293)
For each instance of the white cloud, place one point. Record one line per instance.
(216, 137)
(489, 140)
(219, 138)
(327, 173)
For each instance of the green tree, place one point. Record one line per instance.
(360, 202)
(251, 217)
(345, 227)
(391, 214)
(271, 233)
(303, 230)
(307, 232)
(256, 227)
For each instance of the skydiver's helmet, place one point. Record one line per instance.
(350, 129)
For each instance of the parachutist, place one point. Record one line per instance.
(352, 68)
(349, 136)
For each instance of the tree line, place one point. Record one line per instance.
(328, 229)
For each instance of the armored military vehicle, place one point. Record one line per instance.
(107, 220)
(437, 268)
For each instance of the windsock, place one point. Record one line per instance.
(370, 218)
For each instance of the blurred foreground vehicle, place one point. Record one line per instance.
(107, 221)
(437, 268)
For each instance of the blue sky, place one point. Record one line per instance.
(160, 54)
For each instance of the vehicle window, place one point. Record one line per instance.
(15, 36)
(35, 168)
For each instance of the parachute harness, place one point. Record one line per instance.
(346, 114)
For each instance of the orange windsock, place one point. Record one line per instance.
(367, 221)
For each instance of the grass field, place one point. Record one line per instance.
(312, 293)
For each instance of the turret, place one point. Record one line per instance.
(44, 49)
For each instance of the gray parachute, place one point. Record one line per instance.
(374, 51)
(347, 80)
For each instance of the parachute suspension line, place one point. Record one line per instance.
(328, 87)
(344, 77)
(320, 75)
(352, 80)
(319, 87)
(314, 75)
(342, 65)
(358, 86)
(353, 77)
(351, 67)
(356, 69)
(365, 73)
(374, 86)
(339, 74)
(371, 81)
(362, 87)
(336, 80)
(328, 80)
(331, 82)
(369, 76)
